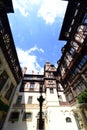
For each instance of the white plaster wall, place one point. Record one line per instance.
(51, 96)
(55, 115)
(23, 125)
(56, 119)
(20, 124)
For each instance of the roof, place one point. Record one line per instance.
(69, 15)
(8, 47)
(8, 5)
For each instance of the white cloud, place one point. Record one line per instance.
(29, 61)
(35, 48)
(49, 10)
(21, 6)
(35, 2)
(25, 6)
(41, 50)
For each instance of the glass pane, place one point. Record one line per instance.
(27, 116)
(14, 116)
(32, 86)
(19, 100)
(30, 99)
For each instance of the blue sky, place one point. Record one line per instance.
(36, 26)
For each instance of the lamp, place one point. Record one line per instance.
(40, 100)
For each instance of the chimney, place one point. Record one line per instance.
(32, 72)
(38, 73)
(24, 71)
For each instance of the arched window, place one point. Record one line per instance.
(68, 119)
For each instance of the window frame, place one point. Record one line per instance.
(68, 120)
(9, 92)
(19, 99)
(85, 19)
(51, 90)
(30, 99)
(81, 34)
(75, 45)
(25, 118)
(32, 85)
(12, 114)
(82, 62)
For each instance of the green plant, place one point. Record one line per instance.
(82, 98)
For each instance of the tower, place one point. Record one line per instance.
(57, 109)
(24, 112)
(50, 84)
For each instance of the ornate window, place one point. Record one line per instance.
(50, 75)
(69, 56)
(82, 28)
(66, 61)
(81, 32)
(75, 45)
(72, 51)
(62, 69)
(79, 38)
